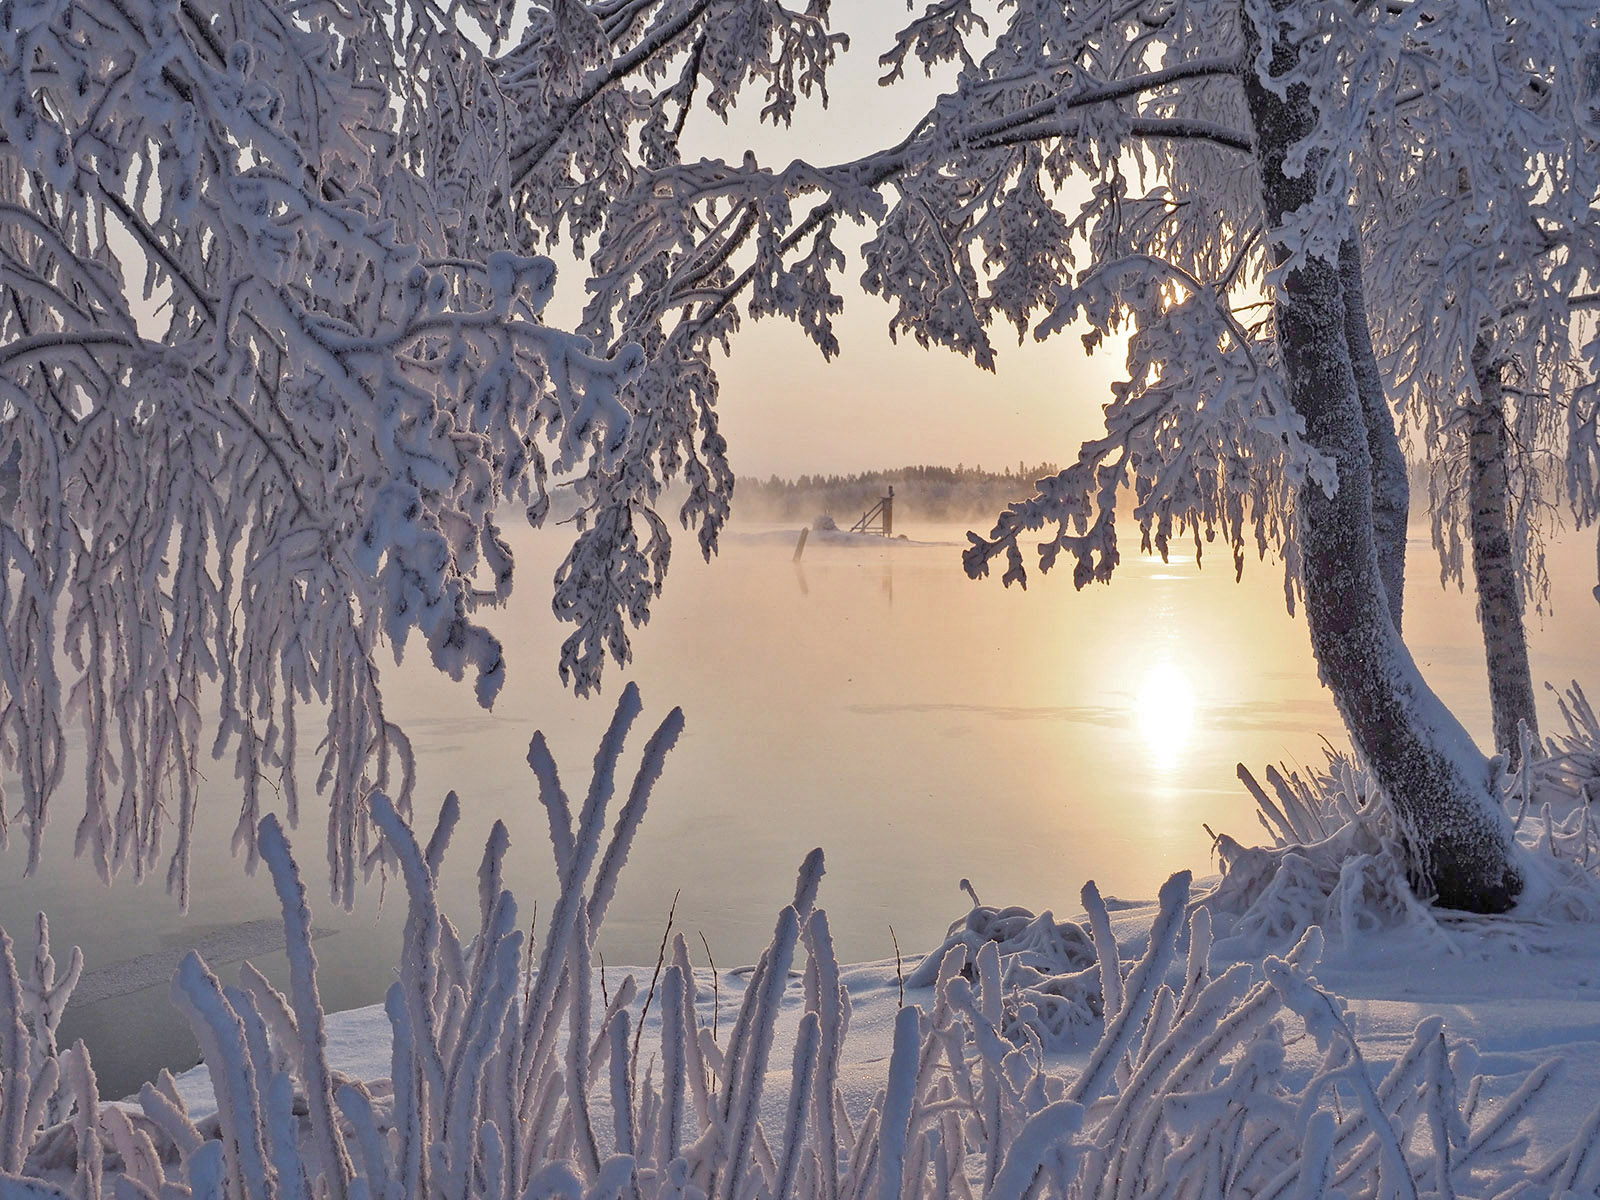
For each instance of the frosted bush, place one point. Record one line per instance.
(1048, 969)
(1335, 860)
(1567, 775)
(506, 1084)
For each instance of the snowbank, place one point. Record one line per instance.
(1518, 1008)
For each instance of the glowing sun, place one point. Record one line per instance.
(1164, 712)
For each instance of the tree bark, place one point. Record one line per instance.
(1391, 486)
(1454, 832)
(1495, 565)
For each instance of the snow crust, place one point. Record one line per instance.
(233, 943)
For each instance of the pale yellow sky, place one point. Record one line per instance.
(786, 412)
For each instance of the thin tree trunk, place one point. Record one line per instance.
(1494, 562)
(1391, 487)
(1455, 833)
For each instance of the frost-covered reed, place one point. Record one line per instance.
(506, 1088)
(1335, 858)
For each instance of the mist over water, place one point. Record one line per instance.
(921, 727)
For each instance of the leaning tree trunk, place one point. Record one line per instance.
(1495, 565)
(1455, 834)
(1391, 487)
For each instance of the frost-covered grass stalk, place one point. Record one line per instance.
(1188, 1090)
(1334, 860)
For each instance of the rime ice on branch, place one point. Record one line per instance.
(337, 220)
(272, 364)
(1225, 151)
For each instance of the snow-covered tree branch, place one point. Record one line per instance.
(273, 362)
(1289, 175)
(274, 357)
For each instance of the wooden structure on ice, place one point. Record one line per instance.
(879, 518)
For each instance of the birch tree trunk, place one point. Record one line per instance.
(1455, 834)
(1495, 564)
(1391, 487)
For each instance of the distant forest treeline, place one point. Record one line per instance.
(959, 493)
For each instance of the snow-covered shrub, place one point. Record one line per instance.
(509, 1084)
(1195, 1088)
(1567, 775)
(1335, 860)
(1048, 968)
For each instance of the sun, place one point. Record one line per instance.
(1164, 712)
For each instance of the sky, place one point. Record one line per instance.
(786, 411)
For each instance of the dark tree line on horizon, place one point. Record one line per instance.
(923, 493)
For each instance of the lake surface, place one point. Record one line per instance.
(921, 727)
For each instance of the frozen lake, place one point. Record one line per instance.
(921, 727)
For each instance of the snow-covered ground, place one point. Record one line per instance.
(1520, 999)
(1298, 1026)
(1518, 1005)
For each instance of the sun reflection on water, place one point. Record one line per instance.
(1164, 712)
